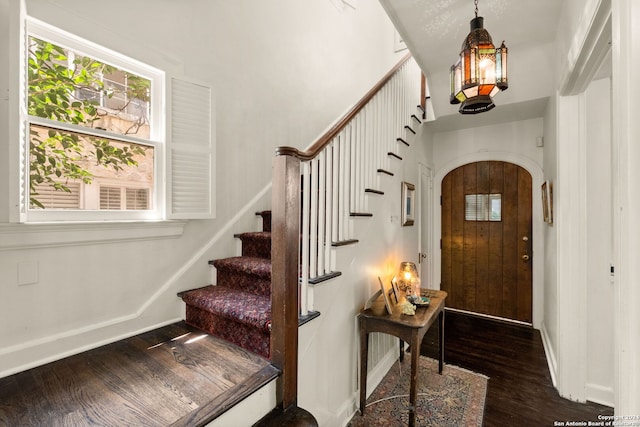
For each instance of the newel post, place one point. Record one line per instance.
(285, 254)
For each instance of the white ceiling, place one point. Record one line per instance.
(434, 30)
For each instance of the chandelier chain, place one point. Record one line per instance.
(475, 2)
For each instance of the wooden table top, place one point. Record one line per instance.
(423, 316)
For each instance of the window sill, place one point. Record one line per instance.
(41, 235)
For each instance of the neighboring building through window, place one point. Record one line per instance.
(91, 122)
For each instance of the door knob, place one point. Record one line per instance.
(525, 257)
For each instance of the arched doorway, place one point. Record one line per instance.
(486, 231)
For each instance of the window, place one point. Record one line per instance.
(92, 119)
(106, 137)
(483, 207)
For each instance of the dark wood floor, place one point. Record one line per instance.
(175, 375)
(167, 377)
(520, 391)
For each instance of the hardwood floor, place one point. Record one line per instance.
(175, 375)
(520, 390)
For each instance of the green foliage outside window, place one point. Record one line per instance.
(68, 89)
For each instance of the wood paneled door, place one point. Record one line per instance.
(486, 239)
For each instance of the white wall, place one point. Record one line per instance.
(579, 318)
(600, 301)
(549, 327)
(514, 137)
(579, 300)
(282, 71)
(626, 128)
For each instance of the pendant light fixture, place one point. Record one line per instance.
(480, 72)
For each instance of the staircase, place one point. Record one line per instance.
(316, 194)
(238, 308)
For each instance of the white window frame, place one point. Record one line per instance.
(157, 139)
(173, 201)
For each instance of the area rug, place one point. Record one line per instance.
(455, 398)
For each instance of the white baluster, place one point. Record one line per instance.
(322, 210)
(306, 199)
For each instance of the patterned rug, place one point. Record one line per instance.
(455, 398)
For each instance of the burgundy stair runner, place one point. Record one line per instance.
(238, 308)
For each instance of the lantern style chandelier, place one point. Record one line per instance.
(480, 72)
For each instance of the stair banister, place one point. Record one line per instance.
(285, 255)
(325, 139)
(331, 164)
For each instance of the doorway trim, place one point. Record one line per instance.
(426, 223)
(537, 178)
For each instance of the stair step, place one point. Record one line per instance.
(242, 318)
(373, 191)
(325, 277)
(403, 141)
(256, 244)
(249, 274)
(266, 220)
(344, 242)
(244, 307)
(227, 400)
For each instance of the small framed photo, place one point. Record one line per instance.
(386, 294)
(394, 288)
(408, 203)
(547, 202)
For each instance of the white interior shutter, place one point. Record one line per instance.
(190, 151)
(18, 146)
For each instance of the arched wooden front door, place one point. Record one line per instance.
(486, 239)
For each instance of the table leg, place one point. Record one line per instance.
(413, 389)
(441, 341)
(364, 352)
(401, 351)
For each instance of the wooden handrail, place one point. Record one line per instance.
(325, 139)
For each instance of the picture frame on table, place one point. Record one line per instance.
(386, 289)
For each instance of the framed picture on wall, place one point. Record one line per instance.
(547, 202)
(408, 203)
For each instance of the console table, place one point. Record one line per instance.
(408, 328)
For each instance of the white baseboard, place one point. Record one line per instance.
(600, 394)
(594, 392)
(34, 353)
(550, 353)
(348, 410)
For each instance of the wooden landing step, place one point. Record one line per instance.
(175, 375)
